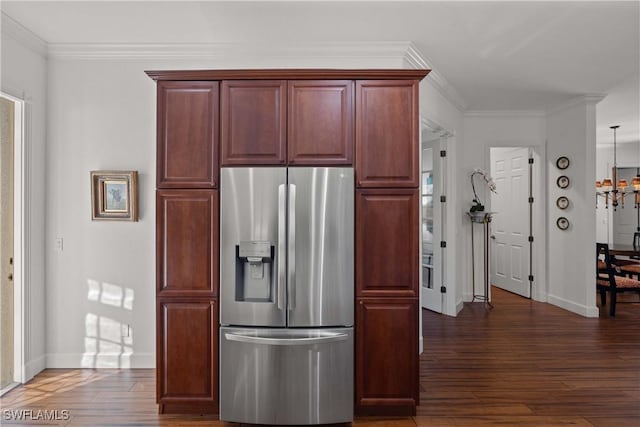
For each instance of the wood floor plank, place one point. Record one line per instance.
(522, 363)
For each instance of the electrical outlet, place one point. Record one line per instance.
(125, 330)
(59, 244)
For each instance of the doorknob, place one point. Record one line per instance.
(10, 277)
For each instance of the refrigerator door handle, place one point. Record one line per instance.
(291, 255)
(304, 340)
(282, 240)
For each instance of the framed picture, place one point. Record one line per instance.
(114, 195)
(562, 162)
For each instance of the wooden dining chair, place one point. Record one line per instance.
(608, 281)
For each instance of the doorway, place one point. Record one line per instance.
(626, 218)
(511, 228)
(433, 214)
(11, 132)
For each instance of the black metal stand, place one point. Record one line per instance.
(481, 218)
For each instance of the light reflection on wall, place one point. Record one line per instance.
(108, 338)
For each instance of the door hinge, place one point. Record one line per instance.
(531, 161)
(443, 199)
(530, 199)
(443, 153)
(443, 244)
(11, 261)
(530, 238)
(531, 277)
(443, 289)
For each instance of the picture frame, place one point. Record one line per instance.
(562, 223)
(563, 181)
(562, 163)
(562, 202)
(114, 195)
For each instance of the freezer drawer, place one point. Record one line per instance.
(286, 376)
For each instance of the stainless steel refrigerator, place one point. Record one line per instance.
(286, 295)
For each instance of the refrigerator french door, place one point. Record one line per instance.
(286, 292)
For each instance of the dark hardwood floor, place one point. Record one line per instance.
(529, 363)
(522, 363)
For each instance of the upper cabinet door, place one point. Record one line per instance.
(387, 243)
(254, 114)
(320, 125)
(387, 133)
(187, 133)
(187, 242)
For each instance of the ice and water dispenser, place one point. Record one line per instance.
(254, 271)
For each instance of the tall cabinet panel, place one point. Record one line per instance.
(253, 123)
(387, 133)
(187, 242)
(320, 125)
(187, 352)
(187, 123)
(387, 246)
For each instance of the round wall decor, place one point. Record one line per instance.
(563, 181)
(562, 223)
(562, 202)
(562, 162)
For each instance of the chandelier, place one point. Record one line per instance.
(614, 190)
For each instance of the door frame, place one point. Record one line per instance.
(539, 286)
(19, 248)
(450, 304)
(506, 282)
(437, 262)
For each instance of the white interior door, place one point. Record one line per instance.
(510, 225)
(431, 189)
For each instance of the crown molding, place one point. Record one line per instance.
(389, 54)
(590, 98)
(415, 59)
(505, 113)
(13, 29)
(383, 51)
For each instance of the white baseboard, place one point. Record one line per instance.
(101, 360)
(580, 309)
(34, 367)
(459, 306)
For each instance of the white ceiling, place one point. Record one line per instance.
(498, 55)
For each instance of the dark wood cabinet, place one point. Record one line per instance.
(209, 118)
(387, 242)
(187, 242)
(387, 356)
(253, 122)
(387, 126)
(320, 122)
(187, 353)
(187, 132)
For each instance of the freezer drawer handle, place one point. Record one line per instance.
(286, 341)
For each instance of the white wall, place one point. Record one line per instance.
(23, 75)
(102, 116)
(571, 253)
(483, 130)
